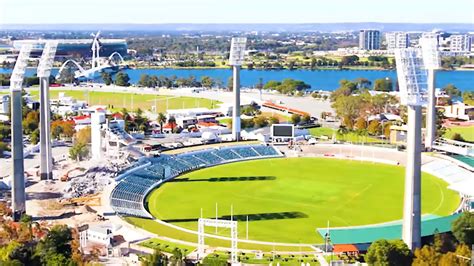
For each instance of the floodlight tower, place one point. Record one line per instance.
(44, 71)
(412, 78)
(236, 58)
(431, 60)
(16, 82)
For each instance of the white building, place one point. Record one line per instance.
(460, 43)
(5, 104)
(459, 111)
(369, 39)
(396, 40)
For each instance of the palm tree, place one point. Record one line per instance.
(172, 122)
(342, 131)
(161, 120)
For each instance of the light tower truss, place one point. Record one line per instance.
(232, 225)
(430, 52)
(18, 74)
(47, 59)
(412, 76)
(237, 51)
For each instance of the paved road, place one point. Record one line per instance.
(6, 165)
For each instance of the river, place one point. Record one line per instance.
(318, 79)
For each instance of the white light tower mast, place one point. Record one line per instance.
(236, 58)
(412, 78)
(16, 82)
(431, 60)
(44, 71)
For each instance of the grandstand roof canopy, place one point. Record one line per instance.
(465, 187)
(430, 225)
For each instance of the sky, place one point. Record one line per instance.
(236, 11)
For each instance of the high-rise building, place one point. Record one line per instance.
(369, 39)
(431, 35)
(460, 43)
(396, 40)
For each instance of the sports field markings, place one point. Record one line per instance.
(353, 197)
(442, 198)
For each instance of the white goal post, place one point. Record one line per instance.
(232, 225)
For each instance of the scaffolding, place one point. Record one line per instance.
(232, 225)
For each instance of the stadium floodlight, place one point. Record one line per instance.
(16, 82)
(47, 58)
(431, 61)
(237, 51)
(412, 79)
(236, 58)
(430, 52)
(412, 76)
(44, 71)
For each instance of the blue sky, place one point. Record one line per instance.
(237, 11)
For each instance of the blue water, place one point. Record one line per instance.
(318, 79)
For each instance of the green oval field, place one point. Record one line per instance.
(287, 199)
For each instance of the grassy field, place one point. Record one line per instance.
(287, 199)
(466, 132)
(166, 246)
(132, 101)
(351, 136)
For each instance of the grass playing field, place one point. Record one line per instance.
(132, 101)
(287, 199)
(466, 132)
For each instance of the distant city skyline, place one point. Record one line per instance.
(241, 11)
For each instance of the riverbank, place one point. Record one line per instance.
(327, 80)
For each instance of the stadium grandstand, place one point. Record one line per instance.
(128, 196)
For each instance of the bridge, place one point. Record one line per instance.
(453, 146)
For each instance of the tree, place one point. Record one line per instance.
(349, 60)
(106, 77)
(385, 85)
(386, 129)
(177, 257)
(458, 137)
(361, 123)
(157, 258)
(172, 122)
(452, 91)
(3, 147)
(35, 136)
(468, 97)
(362, 83)
(463, 228)
(295, 119)
(55, 248)
(392, 252)
(84, 136)
(374, 127)
(30, 122)
(306, 119)
(161, 121)
(260, 121)
(426, 256)
(60, 128)
(78, 151)
(144, 80)
(230, 84)
(122, 79)
(207, 82)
